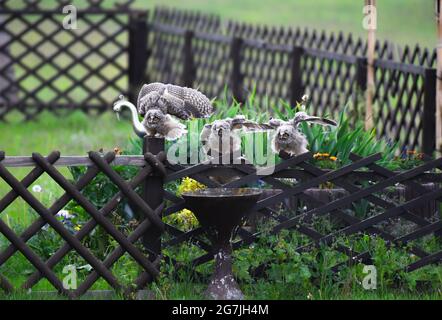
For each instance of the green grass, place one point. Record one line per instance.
(75, 134)
(194, 291)
(400, 21)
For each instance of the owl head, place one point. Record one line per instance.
(153, 118)
(222, 128)
(286, 133)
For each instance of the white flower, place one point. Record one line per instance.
(65, 214)
(37, 188)
(305, 97)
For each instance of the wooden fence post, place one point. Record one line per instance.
(439, 78)
(236, 77)
(429, 115)
(296, 86)
(153, 194)
(138, 33)
(370, 6)
(189, 70)
(8, 85)
(361, 84)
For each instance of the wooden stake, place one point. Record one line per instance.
(439, 75)
(371, 40)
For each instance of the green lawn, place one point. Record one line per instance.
(75, 134)
(257, 291)
(400, 21)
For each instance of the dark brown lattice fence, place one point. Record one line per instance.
(128, 243)
(400, 207)
(301, 203)
(282, 64)
(66, 69)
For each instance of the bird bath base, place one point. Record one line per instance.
(220, 211)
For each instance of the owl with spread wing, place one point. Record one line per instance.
(221, 136)
(159, 103)
(288, 137)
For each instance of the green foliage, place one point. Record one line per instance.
(337, 141)
(344, 139)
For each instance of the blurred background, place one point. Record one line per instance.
(401, 21)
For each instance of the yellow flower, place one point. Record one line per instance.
(77, 227)
(316, 155)
(189, 184)
(325, 154)
(332, 158)
(185, 219)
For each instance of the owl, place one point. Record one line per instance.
(221, 136)
(158, 103)
(289, 138)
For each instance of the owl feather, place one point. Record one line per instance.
(158, 102)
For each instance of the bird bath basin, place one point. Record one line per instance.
(220, 211)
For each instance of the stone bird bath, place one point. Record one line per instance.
(220, 211)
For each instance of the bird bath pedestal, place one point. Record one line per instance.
(220, 211)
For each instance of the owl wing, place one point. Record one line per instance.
(240, 122)
(187, 102)
(253, 126)
(173, 129)
(181, 102)
(304, 117)
(321, 121)
(149, 96)
(274, 123)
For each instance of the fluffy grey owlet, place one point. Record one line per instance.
(221, 136)
(158, 102)
(289, 138)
